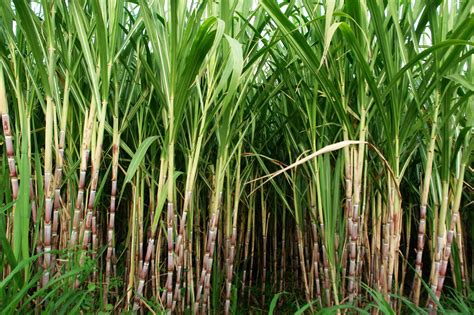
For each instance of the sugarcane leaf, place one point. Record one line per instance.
(329, 29)
(327, 41)
(303, 309)
(23, 206)
(18, 268)
(138, 158)
(161, 202)
(23, 292)
(426, 52)
(102, 43)
(303, 49)
(32, 33)
(461, 80)
(80, 24)
(326, 149)
(274, 302)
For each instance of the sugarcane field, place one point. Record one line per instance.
(237, 157)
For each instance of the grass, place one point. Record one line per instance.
(236, 156)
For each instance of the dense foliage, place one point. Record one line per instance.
(236, 156)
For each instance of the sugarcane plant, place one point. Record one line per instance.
(236, 156)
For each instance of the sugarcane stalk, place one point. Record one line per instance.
(358, 169)
(363, 239)
(232, 240)
(252, 255)
(353, 225)
(12, 170)
(327, 275)
(85, 154)
(302, 262)
(385, 253)
(440, 243)
(95, 243)
(205, 280)
(374, 248)
(405, 262)
(89, 232)
(283, 252)
(424, 204)
(170, 205)
(190, 298)
(159, 247)
(49, 181)
(454, 217)
(462, 256)
(327, 279)
(348, 171)
(190, 183)
(199, 243)
(139, 253)
(275, 252)
(180, 246)
(133, 221)
(309, 266)
(34, 216)
(151, 240)
(390, 239)
(316, 258)
(48, 190)
(7, 133)
(264, 222)
(348, 187)
(60, 163)
(247, 242)
(112, 207)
